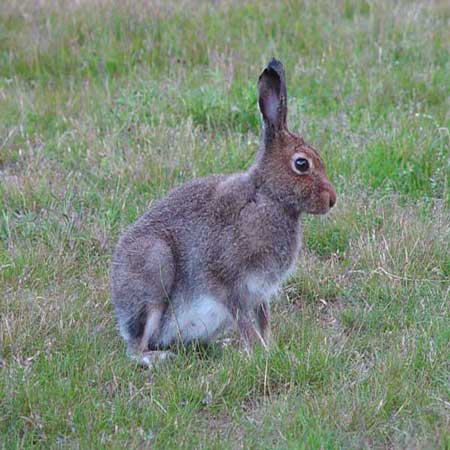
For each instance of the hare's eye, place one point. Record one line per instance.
(301, 164)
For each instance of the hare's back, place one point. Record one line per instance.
(183, 204)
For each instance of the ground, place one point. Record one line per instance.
(107, 105)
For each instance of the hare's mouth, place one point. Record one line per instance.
(320, 211)
(323, 208)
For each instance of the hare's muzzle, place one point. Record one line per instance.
(328, 196)
(332, 196)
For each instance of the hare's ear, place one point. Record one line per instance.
(273, 96)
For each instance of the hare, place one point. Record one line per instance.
(212, 253)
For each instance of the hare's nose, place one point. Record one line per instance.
(332, 197)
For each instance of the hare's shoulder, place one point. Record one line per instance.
(233, 193)
(267, 231)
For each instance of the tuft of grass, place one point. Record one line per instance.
(105, 106)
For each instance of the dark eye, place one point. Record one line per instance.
(301, 164)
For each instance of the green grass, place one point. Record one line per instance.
(105, 106)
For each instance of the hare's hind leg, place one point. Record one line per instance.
(152, 329)
(142, 283)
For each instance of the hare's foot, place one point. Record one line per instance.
(150, 358)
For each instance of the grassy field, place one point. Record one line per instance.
(105, 106)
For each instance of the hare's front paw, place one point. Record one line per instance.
(251, 335)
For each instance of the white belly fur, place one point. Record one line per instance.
(198, 320)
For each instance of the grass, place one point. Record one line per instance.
(105, 106)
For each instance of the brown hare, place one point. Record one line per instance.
(213, 252)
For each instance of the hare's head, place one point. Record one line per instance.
(289, 168)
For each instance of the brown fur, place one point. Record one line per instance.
(213, 252)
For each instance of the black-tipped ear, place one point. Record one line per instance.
(273, 95)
